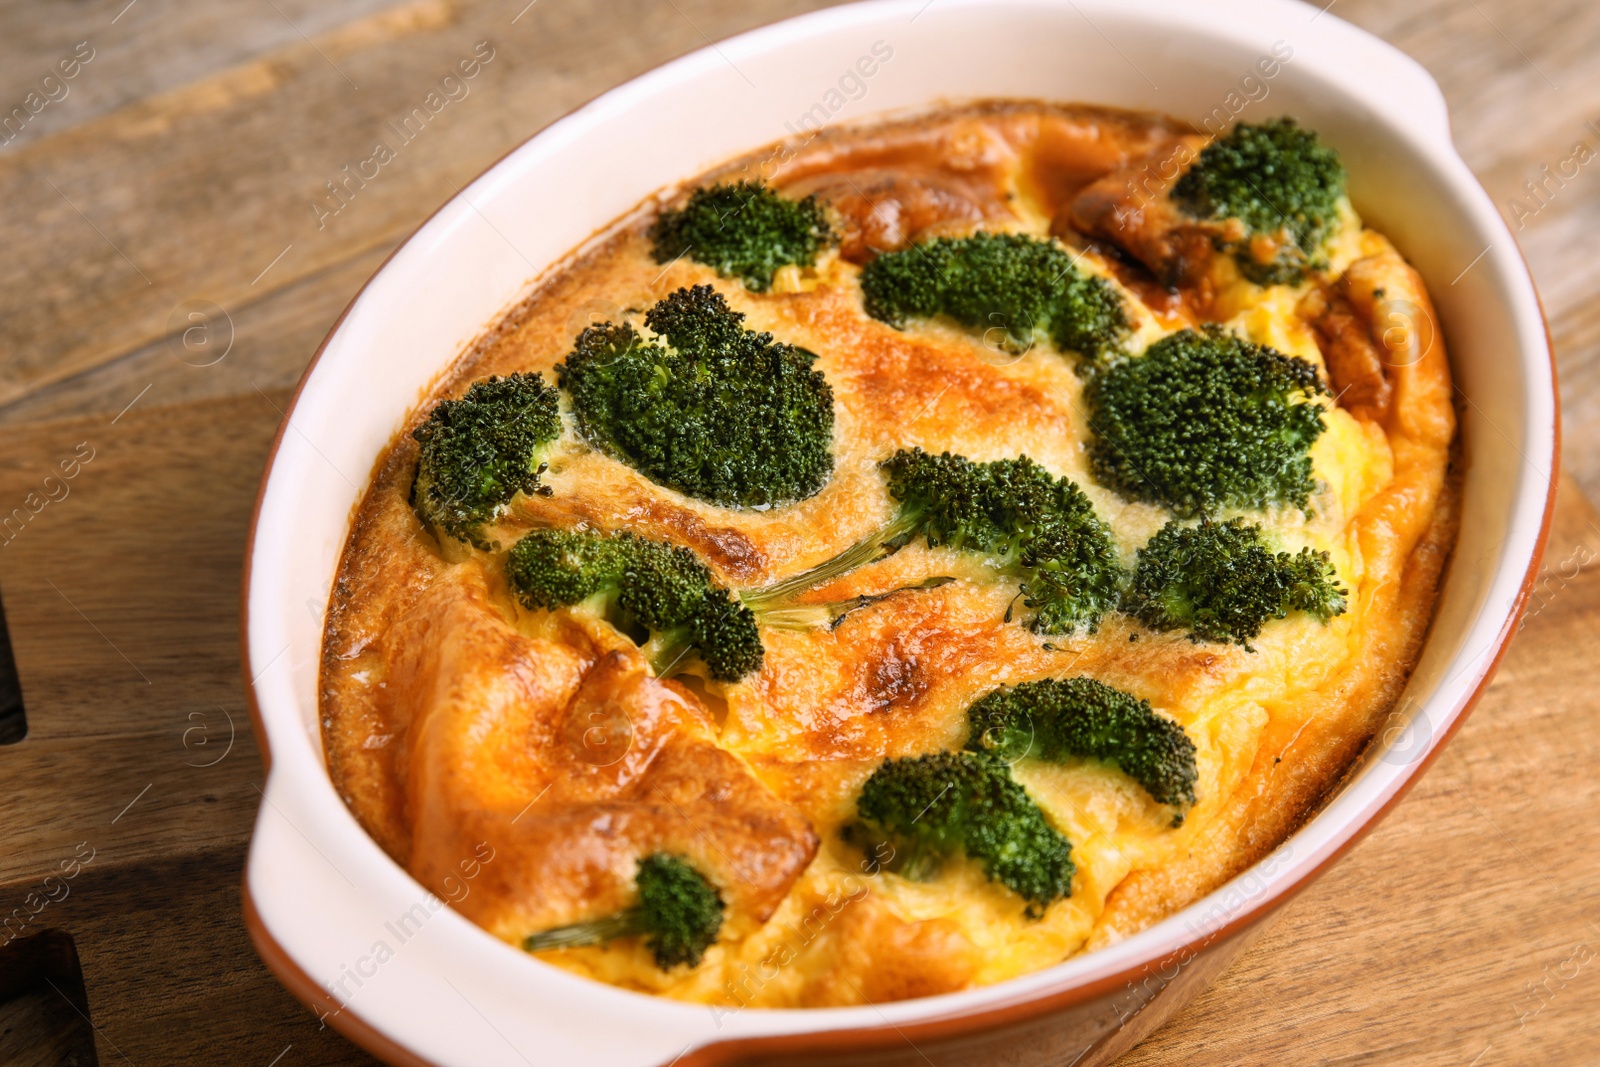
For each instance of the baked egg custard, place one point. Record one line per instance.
(901, 559)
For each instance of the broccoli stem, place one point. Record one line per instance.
(668, 648)
(1012, 515)
(774, 606)
(919, 863)
(678, 911)
(880, 544)
(665, 650)
(798, 618)
(626, 923)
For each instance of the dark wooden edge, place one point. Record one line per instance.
(50, 955)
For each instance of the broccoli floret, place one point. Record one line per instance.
(1022, 518)
(1013, 513)
(679, 914)
(1023, 521)
(480, 451)
(1205, 420)
(1220, 582)
(721, 413)
(1022, 285)
(664, 596)
(1282, 184)
(927, 808)
(744, 231)
(641, 585)
(1055, 719)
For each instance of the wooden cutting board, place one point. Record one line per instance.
(1458, 934)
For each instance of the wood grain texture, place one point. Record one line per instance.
(127, 641)
(182, 166)
(140, 49)
(243, 155)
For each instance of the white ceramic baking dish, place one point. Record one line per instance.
(323, 902)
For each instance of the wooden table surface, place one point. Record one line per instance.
(166, 278)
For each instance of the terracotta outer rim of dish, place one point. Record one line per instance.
(859, 1039)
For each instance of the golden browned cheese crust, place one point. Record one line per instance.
(459, 725)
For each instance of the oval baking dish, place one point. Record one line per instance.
(350, 933)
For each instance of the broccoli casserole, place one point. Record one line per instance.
(902, 559)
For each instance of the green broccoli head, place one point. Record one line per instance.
(1072, 575)
(678, 913)
(715, 411)
(1055, 720)
(1281, 183)
(480, 451)
(1023, 519)
(1220, 582)
(651, 589)
(927, 808)
(1205, 420)
(743, 230)
(1020, 285)
(725, 635)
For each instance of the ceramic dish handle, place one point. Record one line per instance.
(1384, 73)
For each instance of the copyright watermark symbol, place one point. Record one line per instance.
(199, 333)
(600, 736)
(198, 739)
(1405, 329)
(1008, 338)
(1406, 735)
(595, 312)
